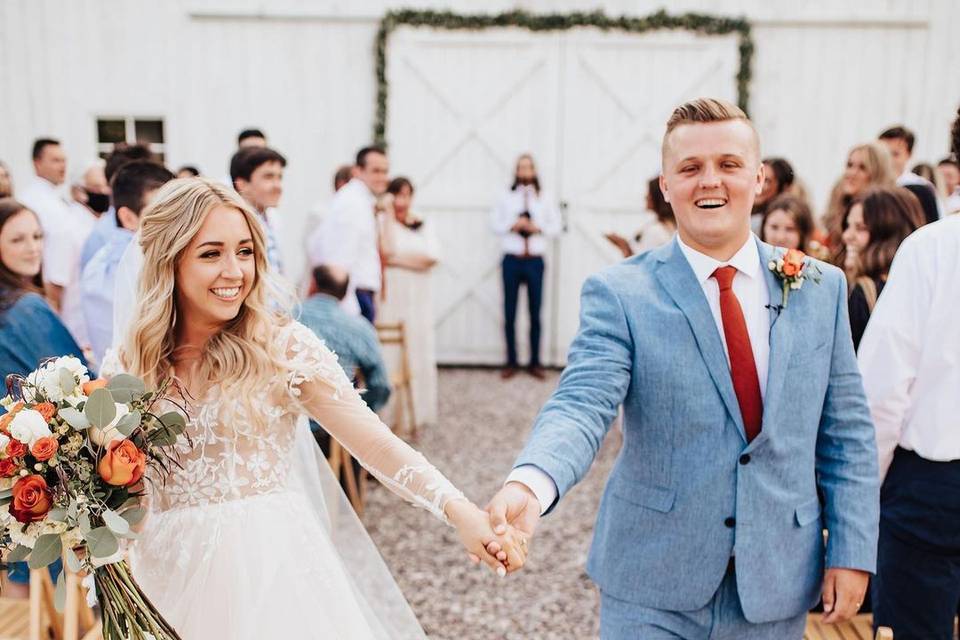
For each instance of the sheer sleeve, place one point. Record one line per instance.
(318, 385)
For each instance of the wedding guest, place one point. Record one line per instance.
(348, 237)
(778, 177)
(949, 169)
(868, 165)
(256, 172)
(107, 225)
(188, 171)
(411, 251)
(133, 187)
(911, 375)
(42, 193)
(929, 173)
(251, 138)
(523, 219)
(788, 223)
(899, 142)
(6, 181)
(30, 331)
(656, 230)
(878, 221)
(342, 176)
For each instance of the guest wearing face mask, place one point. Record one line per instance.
(29, 329)
(878, 221)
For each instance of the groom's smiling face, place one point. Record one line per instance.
(711, 176)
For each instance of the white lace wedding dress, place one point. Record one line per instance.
(243, 542)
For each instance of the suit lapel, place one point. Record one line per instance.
(781, 335)
(679, 281)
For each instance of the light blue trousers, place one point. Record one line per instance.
(721, 619)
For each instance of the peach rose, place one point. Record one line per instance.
(16, 449)
(44, 448)
(46, 409)
(9, 468)
(31, 499)
(93, 385)
(123, 464)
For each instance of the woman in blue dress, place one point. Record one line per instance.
(30, 331)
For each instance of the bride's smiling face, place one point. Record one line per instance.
(217, 270)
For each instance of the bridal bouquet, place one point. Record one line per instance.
(74, 456)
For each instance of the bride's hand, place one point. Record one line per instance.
(473, 527)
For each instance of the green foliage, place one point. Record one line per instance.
(697, 22)
(45, 551)
(102, 542)
(74, 418)
(125, 388)
(100, 409)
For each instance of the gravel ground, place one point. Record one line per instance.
(484, 422)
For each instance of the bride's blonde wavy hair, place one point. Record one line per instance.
(241, 356)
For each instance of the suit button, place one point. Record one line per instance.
(745, 458)
(730, 522)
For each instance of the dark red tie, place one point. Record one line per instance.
(743, 368)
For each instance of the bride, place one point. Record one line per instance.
(243, 541)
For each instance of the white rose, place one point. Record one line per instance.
(109, 433)
(71, 364)
(28, 425)
(50, 387)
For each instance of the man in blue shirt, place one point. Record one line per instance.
(133, 186)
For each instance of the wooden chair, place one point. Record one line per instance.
(37, 617)
(859, 628)
(394, 334)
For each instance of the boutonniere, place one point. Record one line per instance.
(792, 268)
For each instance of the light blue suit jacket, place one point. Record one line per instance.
(664, 534)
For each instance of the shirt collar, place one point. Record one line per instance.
(361, 188)
(746, 260)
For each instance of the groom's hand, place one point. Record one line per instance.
(843, 593)
(516, 505)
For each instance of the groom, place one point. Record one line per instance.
(746, 431)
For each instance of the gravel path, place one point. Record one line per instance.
(484, 422)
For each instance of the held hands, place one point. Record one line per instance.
(516, 508)
(843, 593)
(502, 552)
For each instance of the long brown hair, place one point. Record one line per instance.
(798, 210)
(890, 215)
(13, 285)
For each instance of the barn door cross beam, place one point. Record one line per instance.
(699, 23)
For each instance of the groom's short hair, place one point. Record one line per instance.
(705, 110)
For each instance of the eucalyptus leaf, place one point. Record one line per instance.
(74, 418)
(5, 501)
(19, 554)
(115, 522)
(134, 516)
(60, 594)
(46, 551)
(174, 420)
(6, 493)
(102, 543)
(125, 387)
(58, 514)
(128, 423)
(100, 409)
(68, 384)
(83, 521)
(72, 509)
(73, 562)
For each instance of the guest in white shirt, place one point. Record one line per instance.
(257, 174)
(949, 169)
(911, 374)
(348, 237)
(899, 141)
(523, 219)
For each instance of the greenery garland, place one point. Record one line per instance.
(696, 22)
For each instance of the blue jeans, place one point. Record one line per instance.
(519, 270)
(368, 308)
(721, 619)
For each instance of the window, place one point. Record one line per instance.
(112, 131)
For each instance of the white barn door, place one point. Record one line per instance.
(589, 106)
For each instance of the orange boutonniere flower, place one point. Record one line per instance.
(791, 268)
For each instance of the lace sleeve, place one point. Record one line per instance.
(319, 385)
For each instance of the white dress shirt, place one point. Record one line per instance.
(46, 200)
(348, 238)
(63, 245)
(542, 213)
(910, 352)
(750, 287)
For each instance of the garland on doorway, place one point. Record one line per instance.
(696, 22)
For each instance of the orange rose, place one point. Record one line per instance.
(31, 499)
(93, 385)
(44, 448)
(8, 416)
(46, 409)
(790, 269)
(9, 468)
(123, 464)
(16, 449)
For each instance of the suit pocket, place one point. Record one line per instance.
(808, 512)
(657, 498)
